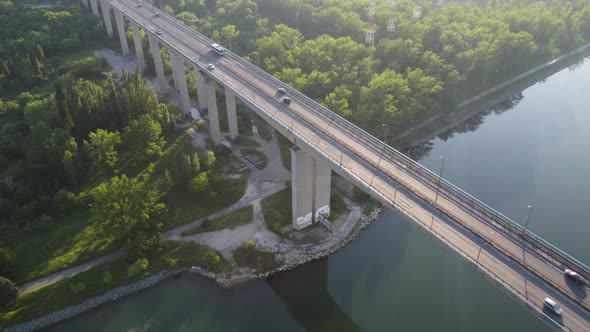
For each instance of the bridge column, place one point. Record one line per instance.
(106, 13)
(214, 130)
(232, 118)
(94, 7)
(155, 47)
(85, 3)
(201, 87)
(121, 30)
(138, 46)
(180, 80)
(310, 188)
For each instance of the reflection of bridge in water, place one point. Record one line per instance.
(310, 285)
(516, 260)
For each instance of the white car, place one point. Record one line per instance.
(552, 306)
(159, 32)
(574, 276)
(210, 66)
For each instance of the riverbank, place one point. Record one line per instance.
(289, 260)
(444, 121)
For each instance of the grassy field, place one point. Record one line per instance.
(46, 249)
(91, 283)
(277, 210)
(256, 259)
(230, 220)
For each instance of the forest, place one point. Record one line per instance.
(90, 163)
(428, 65)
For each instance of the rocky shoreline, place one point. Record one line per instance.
(288, 260)
(110, 296)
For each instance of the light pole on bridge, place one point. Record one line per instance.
(382, 150)
(442, 166)
(526, 222)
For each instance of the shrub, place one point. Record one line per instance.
(7, 263)
(206, 223)
(77, 287)
(251, 244)
(138, 267)
(8, 293)
(212, 259)
(171, 262)
(64, 201)
(107, 277)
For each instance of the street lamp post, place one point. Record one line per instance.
(526, 222)
(442, 166)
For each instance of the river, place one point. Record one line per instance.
(393, 277)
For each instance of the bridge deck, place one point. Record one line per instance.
(476, 233)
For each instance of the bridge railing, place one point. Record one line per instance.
(392, 155)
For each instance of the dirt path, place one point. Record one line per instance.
(61, 275)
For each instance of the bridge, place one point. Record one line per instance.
(519, 262)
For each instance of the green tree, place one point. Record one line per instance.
(144, 137)
(230, 32)
(100, 147)
(139, 267)
(127, 208)
(8, 293)
(7, 263)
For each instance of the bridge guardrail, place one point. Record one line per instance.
(397, 157)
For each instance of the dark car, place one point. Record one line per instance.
(281, 91)
(286, 100)
(575, 276)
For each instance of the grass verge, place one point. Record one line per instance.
(91, 283)
(249, 256)
(230, 220)
(277, 210)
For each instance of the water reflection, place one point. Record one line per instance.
(307, 287)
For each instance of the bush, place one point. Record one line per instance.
(64, 201)
(206, 223)
(171, 262)
(7, 263)
(251, 244)
(212, 259)
(77, 287)
(107, 277)
(8, 293)
(138, 267)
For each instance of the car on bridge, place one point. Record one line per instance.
(286, 100)
(575, 276)
(210, 66)
(552, 306)
(159, 32)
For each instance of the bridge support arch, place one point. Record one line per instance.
(121, 30)
(155, 48)
(179, 74)
(214, 130)
(232, 117)
(94, 7)
(138, 46)
(310, 188)
(106, 15)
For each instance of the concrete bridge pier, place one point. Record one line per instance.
(138, 46)
(201, 88)
(310, 188)
(214, 130)
(155, 47)
(180, 80)
(106, 14)
(85, 3)
(94, 7)
(232, 117)
(121, 30)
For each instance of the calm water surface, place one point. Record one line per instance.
(393, 277)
